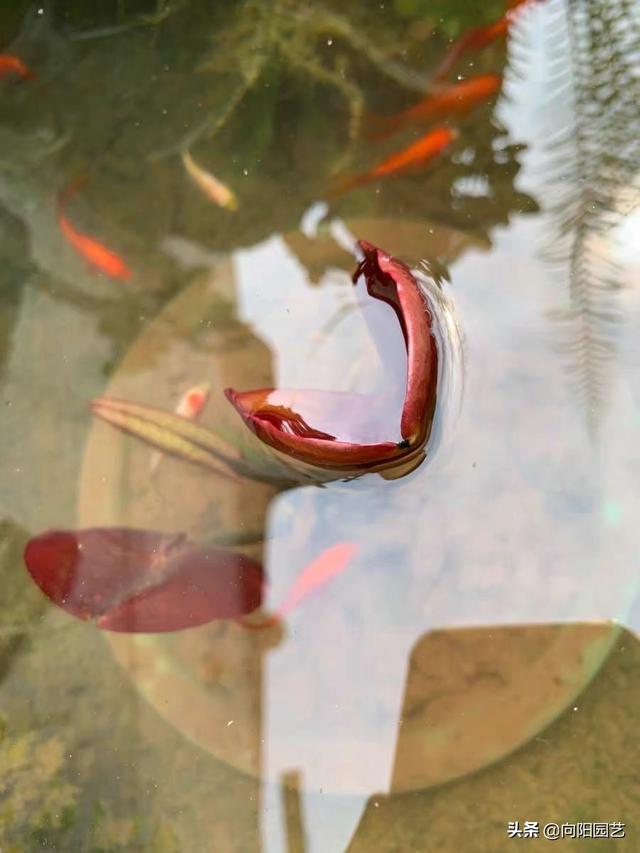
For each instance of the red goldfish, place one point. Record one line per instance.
(96, 254)
(455, 98)
(11, 65)
(419, 153)
(478, 38)
(326, 566)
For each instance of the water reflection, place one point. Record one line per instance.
(480, 598)
(493, 556)
(594, 162)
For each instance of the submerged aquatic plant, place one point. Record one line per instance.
(39, 801)
(266, 40)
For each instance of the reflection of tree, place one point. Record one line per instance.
(596, 46)
(475, 191)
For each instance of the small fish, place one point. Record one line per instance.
(478, 38)
(419, 153)
(330, 563)
(213, 188)
(11, 65)
(190, 405)
(473, 40)
(96, 254)
(193, 401)
(455, 98)
(326, 566)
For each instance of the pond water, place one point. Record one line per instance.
(464, 653)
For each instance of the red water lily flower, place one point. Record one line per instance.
(270, 414)
(142, 580)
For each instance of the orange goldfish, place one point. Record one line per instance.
(189, 406)
(455, 98)
(419, 153)
(513, 4)
(11, 65)
(474, 39)
(330, 563)
(326, 566)
(96, 254)
(193, 401)
(211, 186)
(478, 38)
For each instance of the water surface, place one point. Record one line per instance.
(489, 585)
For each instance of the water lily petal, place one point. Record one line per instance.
(286, 430)
(392, 281)
(280, 423)
(142, 580)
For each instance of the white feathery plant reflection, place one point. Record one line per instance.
(594, 47)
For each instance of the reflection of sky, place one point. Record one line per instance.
(325, 338)
(519, 519)
(302, 324)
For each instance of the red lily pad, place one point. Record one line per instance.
(142, 580)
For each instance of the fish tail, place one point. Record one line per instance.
(65, 226)
(346, 184)
(450, 59)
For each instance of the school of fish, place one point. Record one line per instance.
(447, 99)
